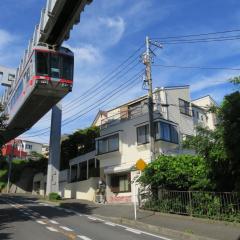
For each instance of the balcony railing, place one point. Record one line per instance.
(123, 116)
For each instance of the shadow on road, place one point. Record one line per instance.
(9, 215)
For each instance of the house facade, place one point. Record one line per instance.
(124, 135)
(22, 148)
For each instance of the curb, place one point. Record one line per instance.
(166, 232)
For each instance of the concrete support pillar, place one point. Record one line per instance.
(54, 150)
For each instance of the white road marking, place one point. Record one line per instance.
(84, 237)
(133, 230)
(41, 222)
(92, 218)
(66, 229)
(69, 211)
(110, 224)
(53, 222)
(147, 233)
(100, 220)
(52, 229)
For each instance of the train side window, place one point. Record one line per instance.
(42, 63)
(67, 67)
(55, 66)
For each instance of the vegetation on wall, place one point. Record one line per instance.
(78, 143)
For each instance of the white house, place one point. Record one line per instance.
(125, 135)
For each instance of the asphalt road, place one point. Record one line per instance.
(23, 218)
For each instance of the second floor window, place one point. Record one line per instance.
(143, 134)
(108, 144)
(184, 107)
(166, 132)
(28, 146)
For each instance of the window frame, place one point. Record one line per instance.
(107, 139)
(186, 108)
(116, 189)
(172, 127)
(146, 135)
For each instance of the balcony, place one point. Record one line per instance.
(120, 116)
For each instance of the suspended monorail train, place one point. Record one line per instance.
(45, 78)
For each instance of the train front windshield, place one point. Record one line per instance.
(54, 65)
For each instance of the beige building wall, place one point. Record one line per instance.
(84, 190)
(206, 102)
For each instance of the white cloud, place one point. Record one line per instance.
(5, 38)
(87, 54)
(204, 82)
(115, 28)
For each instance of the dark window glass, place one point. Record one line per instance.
(184, 107)
(93, 169)
(83, 171)
(108, 144)
(67, 67)
(174, 134)
(167, 132)
(42, 63)
(121, 183)
(143, 134)
(73, 173)
(55, 66)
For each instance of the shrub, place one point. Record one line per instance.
(54, 196)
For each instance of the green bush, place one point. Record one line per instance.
(54, 196)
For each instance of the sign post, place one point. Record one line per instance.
(140, 165)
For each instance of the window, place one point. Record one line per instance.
(42, 63)
(108, 144)
(67, 67)
(121, 183)
(143, 134)
(197, 115)
(83, 171)
(73, 173)
(184, 107)
(193, 113)
(28, 146)
(55, 66)
(165, 131)
(93, 170)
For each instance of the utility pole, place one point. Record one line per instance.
(147, 60)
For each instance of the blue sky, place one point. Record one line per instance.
(110, 31)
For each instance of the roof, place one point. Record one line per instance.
(207, 96)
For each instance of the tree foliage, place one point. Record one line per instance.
(220, 147)
(80, 142)
(181, 172)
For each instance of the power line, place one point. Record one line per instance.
(94, 106)
(108, 79)
(198, 35)
(196, 67)
(109, 75)
(201, 41)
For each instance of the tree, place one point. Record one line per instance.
(229, 121)
(80, 142)
(221, 147)
(180, 172)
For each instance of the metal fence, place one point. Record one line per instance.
(215, 205)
